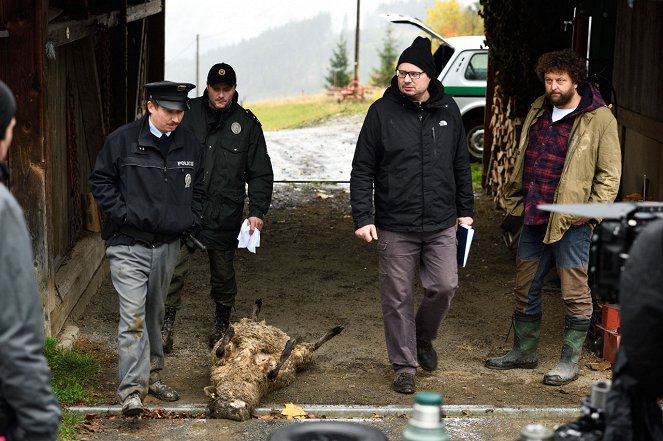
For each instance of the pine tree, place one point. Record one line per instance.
(382, 76)
(338, 73)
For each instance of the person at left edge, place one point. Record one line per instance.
(148, 182)
(28, 408)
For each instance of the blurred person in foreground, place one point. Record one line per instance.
(412, 159)
(28, 408)
(568, 154)
(148, 182)
(237, 163)
(632, 411)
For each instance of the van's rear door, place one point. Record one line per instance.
(442, 55)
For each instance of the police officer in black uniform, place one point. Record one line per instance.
(148, 182)
(236, 158)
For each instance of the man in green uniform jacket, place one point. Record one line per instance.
(236, 156)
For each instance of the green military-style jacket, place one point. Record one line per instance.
(236, 156)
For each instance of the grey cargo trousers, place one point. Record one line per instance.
(399, 254)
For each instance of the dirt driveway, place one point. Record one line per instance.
(312, 274)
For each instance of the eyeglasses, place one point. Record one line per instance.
(404, 73)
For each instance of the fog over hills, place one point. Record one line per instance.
(293, 59)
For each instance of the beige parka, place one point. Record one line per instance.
(591, 172)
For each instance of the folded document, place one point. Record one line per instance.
(464, 234)
(246, 240)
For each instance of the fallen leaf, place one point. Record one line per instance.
(602, 365)
(292, 411)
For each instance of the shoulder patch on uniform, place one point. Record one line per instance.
(253, 117)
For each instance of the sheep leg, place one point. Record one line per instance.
(331, 333)
(284, 356)
(227, 336)
(256, 309)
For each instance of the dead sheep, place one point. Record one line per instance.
(251, 360)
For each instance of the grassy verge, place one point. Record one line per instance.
(73, 372)
(476, 175)
(305, 111)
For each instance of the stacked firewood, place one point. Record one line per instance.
(506, 130)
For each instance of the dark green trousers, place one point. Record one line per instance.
(222, 277)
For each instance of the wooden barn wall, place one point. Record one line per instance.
(638, 68)
(22, 67)
(74, 110)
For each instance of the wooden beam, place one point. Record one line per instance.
(639, 123)
(22, 68)
(67, 31)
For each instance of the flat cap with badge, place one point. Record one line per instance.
(169, 94)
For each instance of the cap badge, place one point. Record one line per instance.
(181, 87)
(222, 71)
(236, 128)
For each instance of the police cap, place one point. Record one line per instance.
(171, 95)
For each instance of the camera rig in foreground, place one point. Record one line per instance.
(612, 239)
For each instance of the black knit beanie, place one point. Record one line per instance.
(7, 108)
(419, 54)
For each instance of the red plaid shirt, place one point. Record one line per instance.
(546, 154)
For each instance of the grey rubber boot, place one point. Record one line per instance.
(221, 322)
(527, 329)
(566, 371)
(167, 330)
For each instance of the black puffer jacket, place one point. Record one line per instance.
(236, 156)
(137, 187)
(417, 159)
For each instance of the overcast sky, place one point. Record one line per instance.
(220, 23)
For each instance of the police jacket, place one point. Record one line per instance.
(416, 158)
(236, 156)
(592, 169)
(28, 407)
(141, 190)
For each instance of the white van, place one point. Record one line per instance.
(462, 64)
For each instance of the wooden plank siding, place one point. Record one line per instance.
(637, 72)
(22, 68)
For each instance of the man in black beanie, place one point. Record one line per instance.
(412, 160)
(28, 408)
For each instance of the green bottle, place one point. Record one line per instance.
(426, 422)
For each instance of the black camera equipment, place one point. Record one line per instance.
(612, 239)
(591, 423)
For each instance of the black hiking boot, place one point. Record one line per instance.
(167, 330)
(221, 322)
(404, 383)
(426, 355)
